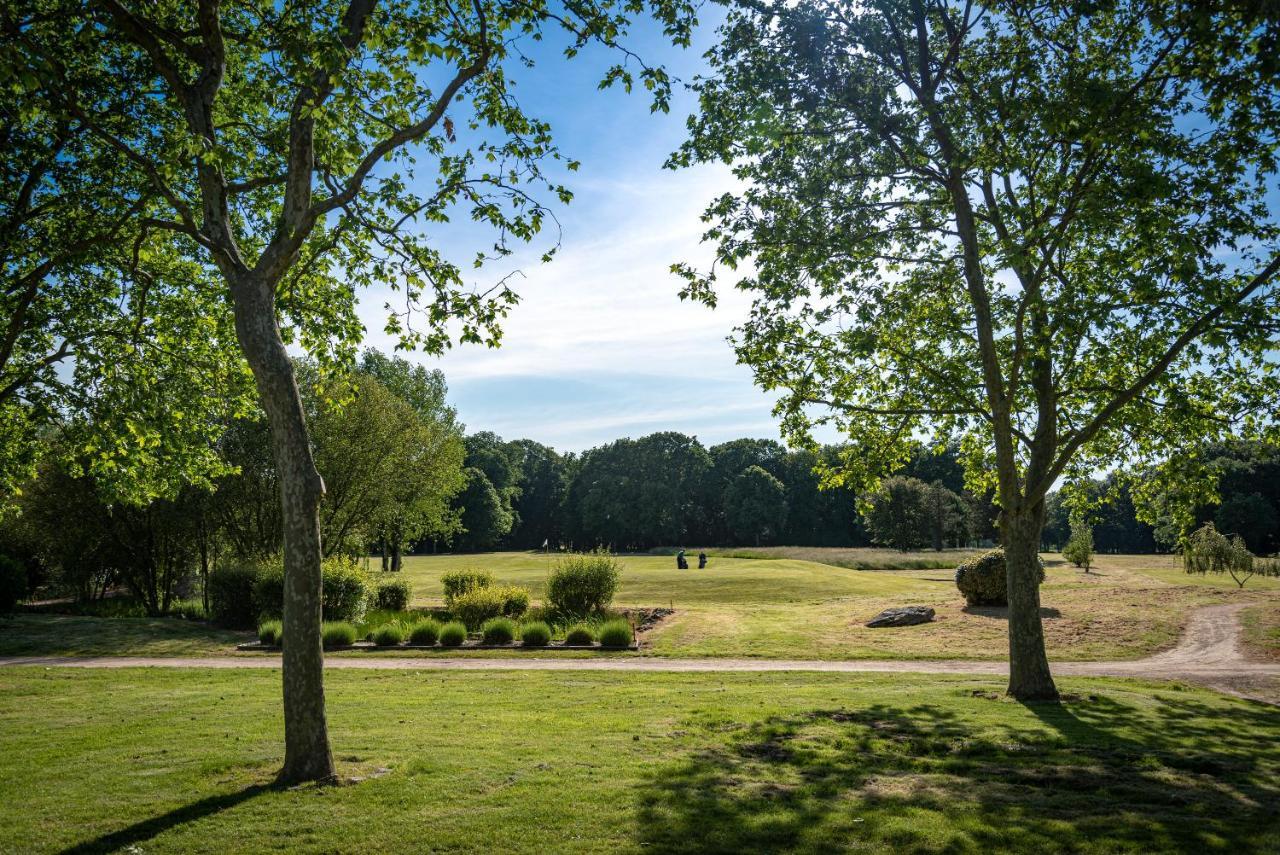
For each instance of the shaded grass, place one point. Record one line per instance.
(856, 558)
(592, 761)
(74, 635)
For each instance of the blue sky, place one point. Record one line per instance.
(600, 346)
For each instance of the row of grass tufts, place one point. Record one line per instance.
(426, 632)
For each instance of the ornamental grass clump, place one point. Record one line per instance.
(499, 630)
(580, 634)
(269, 632)
(983, 579)
(425, 632)
(615, 633)
(389, 634)
(535, 634)
(453, 633)
(337, 634)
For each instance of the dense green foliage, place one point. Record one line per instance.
(393, 595)
(338, 634)
(269, 632)
(478, 605)
(231, 594)
(1079, 548)
(1209, 551)
(535, 634)
(498, 630)
(615, 633)
(582, 584)
(453, 633)
(983, 579)
(425, 631)
(345, 590)
(580, 634)
(459, 582)
(389, 634)
(755, 507)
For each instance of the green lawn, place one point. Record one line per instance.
(176, 761)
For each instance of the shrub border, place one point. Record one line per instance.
(370, 647)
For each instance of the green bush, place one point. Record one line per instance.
(425, 632)
(344, 593)
(13, 583)
(188, 610)
(459, 582)
(580, 634)
(453, 633)
(231, 594)
(389, 634)
(515, 600)
(615, 633)
(983, 579)
(393, 595)
(499, 630)
(478, 605)
(582, 584)
(337, 634)
(269, 632)
(536, 634)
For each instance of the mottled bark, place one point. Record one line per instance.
(1029, 677)
(307, 756)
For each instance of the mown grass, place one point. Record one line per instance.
(855, 558)
(181, 761)
(1260, 634)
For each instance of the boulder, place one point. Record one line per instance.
(902, 616)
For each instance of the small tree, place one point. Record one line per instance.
(1079, 548)
(1210, 551)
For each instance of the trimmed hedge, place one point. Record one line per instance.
(499, 630)
(536, 634)
(615, 633)
(983, 579)
(580, 634)
(425, 632)
(582, 584)
(453, 633)
(231, 592)
(393, 595)
(459, 582)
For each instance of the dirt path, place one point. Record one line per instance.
(1208, 653)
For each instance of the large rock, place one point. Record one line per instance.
(903, 616)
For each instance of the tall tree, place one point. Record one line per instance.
(1040, 227)
(282, 146)
(755, 506)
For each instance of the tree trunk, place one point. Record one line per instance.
(395, 557)
(1029, 677)
(385, 555)
(306, 735)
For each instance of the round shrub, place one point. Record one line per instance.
(453, 633)
(337, 634)
(479, 605)
(580, 634)
(536, 634)
(459, 582)
(499, 630)
(393, 595)
(615, 633)
(983, 579)
(231, 595)
(13, 583)
(270, 632)
(515, 601)
(424, 632)
(582, 584)
(389, 634)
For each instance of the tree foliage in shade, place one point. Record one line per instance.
(755, 506)
(485, 518)
(1043, 228)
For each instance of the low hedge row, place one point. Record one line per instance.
(616, 633)
(241, 595)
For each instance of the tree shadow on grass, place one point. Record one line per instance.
(1102, 775)
(141, 832)
(1002, 612)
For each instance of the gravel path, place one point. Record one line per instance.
(1208, 653)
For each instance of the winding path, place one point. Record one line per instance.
(1208, 653)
